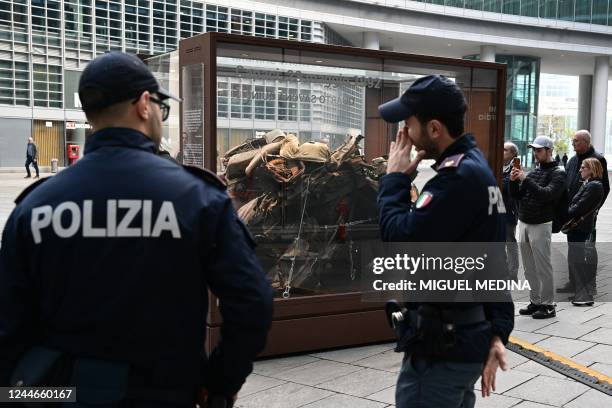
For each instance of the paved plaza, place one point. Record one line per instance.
(364, 377)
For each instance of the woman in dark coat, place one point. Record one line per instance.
(584, 208)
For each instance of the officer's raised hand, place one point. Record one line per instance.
(399, 154)
(497, 358)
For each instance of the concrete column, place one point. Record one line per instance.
(371, 40)
(487, 53)
(599, 104)
(585, 86)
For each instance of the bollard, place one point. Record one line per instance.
(53, 165)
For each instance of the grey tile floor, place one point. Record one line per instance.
(364, 377)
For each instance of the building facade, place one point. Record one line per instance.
(45, 44)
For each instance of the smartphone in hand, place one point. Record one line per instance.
(516, 162)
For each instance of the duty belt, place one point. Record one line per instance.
(458, 317)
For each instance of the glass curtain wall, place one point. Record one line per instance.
(580, 11)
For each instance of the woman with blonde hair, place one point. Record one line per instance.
(582, 212)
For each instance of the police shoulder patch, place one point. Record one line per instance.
(451, 162)
(206, 175)
(29, 189)
(424, 199)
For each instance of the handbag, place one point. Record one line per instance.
(574, 222)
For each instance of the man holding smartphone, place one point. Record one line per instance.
(538, 194)
(462, 203)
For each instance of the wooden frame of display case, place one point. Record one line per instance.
(332, 320)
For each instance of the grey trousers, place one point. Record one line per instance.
(512, 251)
(535, 252)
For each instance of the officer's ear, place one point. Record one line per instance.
(435, 129)
(142, 105)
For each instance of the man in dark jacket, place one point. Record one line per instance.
(538, 193)
(583, 148)
(510, 152)
(113, 272)
(433, 109)
(31, 158)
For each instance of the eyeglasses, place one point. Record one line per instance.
(576, 141)
(165, 108)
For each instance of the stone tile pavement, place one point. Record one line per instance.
(364, 377)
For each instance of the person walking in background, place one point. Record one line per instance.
(584, 150)
(539, 193)
(510, 152)
(564, 160)
(557, 158)
(582, 211)
(31, 158)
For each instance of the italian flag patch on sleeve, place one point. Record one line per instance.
(424, 199)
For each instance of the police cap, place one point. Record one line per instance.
(114, 77)
(433, 95)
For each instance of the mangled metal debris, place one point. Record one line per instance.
(308, 208)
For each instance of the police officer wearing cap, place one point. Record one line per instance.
(462, 203)
(105, 268)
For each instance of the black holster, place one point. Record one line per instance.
(437, 335)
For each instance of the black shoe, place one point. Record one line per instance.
(529, 309)
(544, 312)
(568, 288)
(27, 176)
(36, 177)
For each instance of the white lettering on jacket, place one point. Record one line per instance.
(68, 219)
(496, 199)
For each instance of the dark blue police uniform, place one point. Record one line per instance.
(110, 261)
(462, 203)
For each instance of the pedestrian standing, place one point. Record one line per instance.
(538, 193)
(582, 212)
(510, 153)
(581, 141)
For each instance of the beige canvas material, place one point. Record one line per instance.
(272, 148)
(313, 152)
(238, 163)
(290, 147)
(274, 135)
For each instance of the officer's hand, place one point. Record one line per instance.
(399, 155)
(497, 358)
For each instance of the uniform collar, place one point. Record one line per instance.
(459, 146)
(120, 137)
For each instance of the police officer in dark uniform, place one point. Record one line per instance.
(105, 268)
(462, 203)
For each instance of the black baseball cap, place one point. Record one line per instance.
(433, 95)
(114, 77)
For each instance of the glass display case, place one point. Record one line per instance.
(294, 129)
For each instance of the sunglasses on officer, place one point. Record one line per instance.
(163, 106)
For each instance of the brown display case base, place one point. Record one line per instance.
(319, 333)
